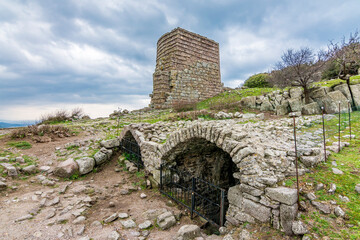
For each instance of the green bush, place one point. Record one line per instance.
(257, 81)
(331, 71)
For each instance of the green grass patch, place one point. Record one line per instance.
(328, 83)
(231, 97)
(20, 145)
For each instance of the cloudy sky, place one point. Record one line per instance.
(100, 55)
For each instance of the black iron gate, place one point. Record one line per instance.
(199, 196)
(131, 148)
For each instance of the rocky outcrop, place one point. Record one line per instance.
(283, 102)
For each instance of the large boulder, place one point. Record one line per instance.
(355, 89)
(248, 102)
(67, 168)
(266, 106)
(10, 169)
(296, 104)
(344, 89)
(296, 92)
(282, 109)
(86, 165)
(102, 156)
(311, 109)
(332, 101)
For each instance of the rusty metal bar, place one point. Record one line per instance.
(324, 135)
(349, 108)
(339, 126)
(296, 165)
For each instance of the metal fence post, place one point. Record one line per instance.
(192, 197)
(296, 165)
(339, 127)
(222, 207)
(349, 118)
(323, 123)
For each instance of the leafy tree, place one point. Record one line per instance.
(299, 68)
(257, 81)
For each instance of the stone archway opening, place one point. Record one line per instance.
(212, 169)
(130, 146)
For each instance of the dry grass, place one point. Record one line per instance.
(62, 115)
(183, 106)
(40, 130)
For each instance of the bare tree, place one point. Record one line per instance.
(299, 68)
(346, 54)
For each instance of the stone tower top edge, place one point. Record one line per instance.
(179, 29)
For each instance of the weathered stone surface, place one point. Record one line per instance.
(145, 224)
(339, 212)
(282, 109)
(188, 232)
(114, 235)
(10, 169)
(296, 104)
(299, 228)
(29, 169)
(337, 171)
(282, 194)
(357, 188)
(185, 73)
(111, 218)
(102, 156)
(323, 208)
(244, 235)
(256, 210)
(110, 143)
(128, 223)
(287, 216)
(248, 102)
(311, 109)
(266, 106)
(235, 196)
(166, 220)
(67, 168)
(296, 92)
(86, 165)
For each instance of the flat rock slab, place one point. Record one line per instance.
(323, 208)
(145, 224)
(337, 171)
(282, 194)
(128, 223)
(166, 220)
(112, 218)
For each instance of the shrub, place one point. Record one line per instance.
(331, 71)
(183, 106)
(257, 81)
(41, 130)
(62, 115)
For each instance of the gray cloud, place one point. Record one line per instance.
(70, 52)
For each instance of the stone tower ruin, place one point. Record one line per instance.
(187, 69)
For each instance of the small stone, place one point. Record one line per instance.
(188, 232)
(3, 186)
(143, 195)
(96, 224)
(29, 169)
(114, 235)
(337, 171)
(223, 230)
(244, 235)
(357, 188)
(53, 202)
(19, 160)
(79, 220)
(344, 198)
(124, 191)
(311, 196)
(128, 223)
(166, 220)
(319, 187)
(44, 168)
(334, 163)
(145, 233)
(339, 212)
(323, 208)
(81, 230)
(111, 204)
(50, 214)
(123, 215)
(299, 228)
(145, 224)
(332, 188)
(112, 218)
(23, 218)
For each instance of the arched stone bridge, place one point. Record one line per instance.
(247, 159)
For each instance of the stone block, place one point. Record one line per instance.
(287, 216)
(311, 109)
(282, 194)
(257, 210)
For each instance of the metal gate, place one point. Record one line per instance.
(132, 149)
(199, 196)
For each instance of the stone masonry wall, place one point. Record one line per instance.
(187, 69)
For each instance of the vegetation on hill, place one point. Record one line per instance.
(259, 80)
